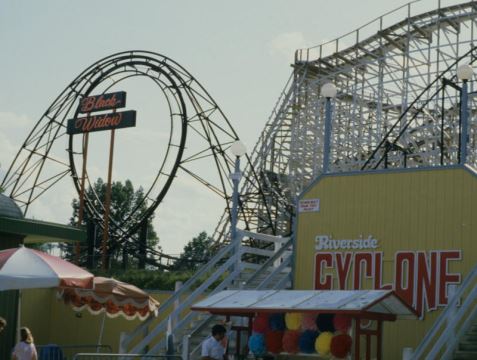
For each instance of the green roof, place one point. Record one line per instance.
(36, 231)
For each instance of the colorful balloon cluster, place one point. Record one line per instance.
(307, 333)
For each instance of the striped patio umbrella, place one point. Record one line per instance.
(113, 298)
(24, 268)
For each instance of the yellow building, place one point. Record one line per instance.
(412, 230)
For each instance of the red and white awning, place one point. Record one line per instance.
(24, 268)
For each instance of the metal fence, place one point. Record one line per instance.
(67, 352)
(96, 356)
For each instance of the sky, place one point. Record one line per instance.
(240, 51)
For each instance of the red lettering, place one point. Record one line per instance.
(378, 273)
(327, 259)
(98, 122)
(406, 291)
(426, 281)
(368, 260)
(79, 123)
(117, 119)
(95, 103)
(88, 124)
(101, 102)
(87, 104)
(343, 268)
(447, 278)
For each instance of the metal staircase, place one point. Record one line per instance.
(266, 265)
(454, 334)
(467, 347)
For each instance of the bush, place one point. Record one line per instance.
(147, 279)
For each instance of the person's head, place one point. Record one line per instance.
(218, 332)
(3, 324)
(25, 335)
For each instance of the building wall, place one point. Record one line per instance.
(430, 215)
(53, 322)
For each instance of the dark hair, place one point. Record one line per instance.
(218, 329)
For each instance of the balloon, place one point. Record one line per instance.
(293, 321)
(290, 341)
(307, 341)
(341, 345)
(325, 322)
(277, 322)
(260, 323)
(273, 340)
(323, 343)
(342, 323)
(308, 321)
(256, 344)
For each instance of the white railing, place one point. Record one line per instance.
(224, 263)
(456, 319)
(276, 264)
(139, 332)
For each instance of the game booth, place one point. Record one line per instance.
(319, 323)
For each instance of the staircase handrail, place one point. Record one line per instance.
(184, 289)
(264, 266)
(264, 283)
(183, 305)
(449, 319)
(193, 295)
(286, 262)
(192, 314)
(270, 261)
(469, 319)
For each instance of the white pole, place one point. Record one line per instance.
(175, 317)
(100, 340)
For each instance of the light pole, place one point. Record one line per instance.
(238, 149)
(464, 73)
(328, 91)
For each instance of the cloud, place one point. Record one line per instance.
(285, 44)
(10, 120)
(13, 130)
(7, 151)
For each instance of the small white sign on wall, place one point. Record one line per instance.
(309, 205)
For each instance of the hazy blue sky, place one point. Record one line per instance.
(240, 51)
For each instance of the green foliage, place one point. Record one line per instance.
(125, 202)
(196, 253)
(147, 279)
(157, 280)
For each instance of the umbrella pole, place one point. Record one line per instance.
(101, 332)
(19, 316)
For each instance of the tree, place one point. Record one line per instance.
(124, 199)
(196, 252)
